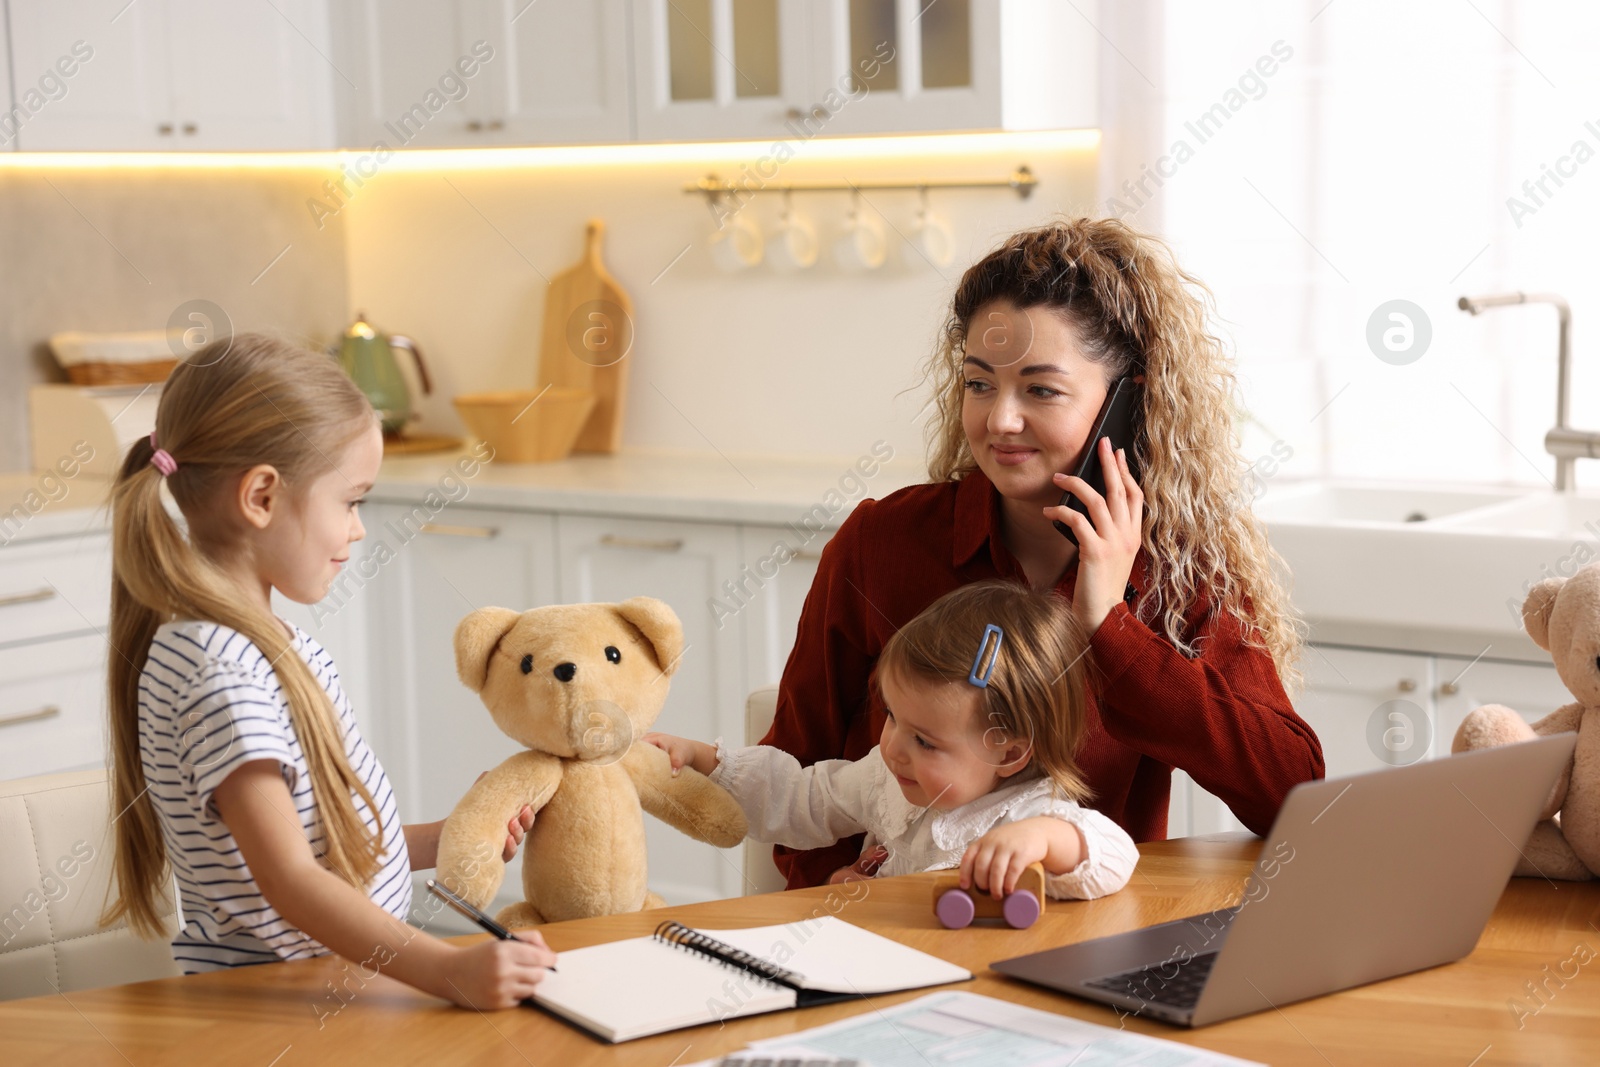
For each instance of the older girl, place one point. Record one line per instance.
(236, 760)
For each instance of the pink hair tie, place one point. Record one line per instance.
(161, 459)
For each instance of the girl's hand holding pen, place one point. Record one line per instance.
(496, 974)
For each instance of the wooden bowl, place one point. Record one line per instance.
(527, 425)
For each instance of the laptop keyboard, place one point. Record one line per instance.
(1157, 983)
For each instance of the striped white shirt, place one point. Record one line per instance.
(208, 702)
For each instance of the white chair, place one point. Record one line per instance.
(55, 867)
(761, 875)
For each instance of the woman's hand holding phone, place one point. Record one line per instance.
(1108, 538)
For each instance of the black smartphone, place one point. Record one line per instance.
(1116, 421)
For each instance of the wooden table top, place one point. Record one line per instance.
(281, 1015)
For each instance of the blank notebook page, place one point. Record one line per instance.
(644, 986)
(836, 956)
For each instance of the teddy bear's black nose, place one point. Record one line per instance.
(565, 671)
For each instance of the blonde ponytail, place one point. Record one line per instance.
(242, 402)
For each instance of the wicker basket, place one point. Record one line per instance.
(115, 358)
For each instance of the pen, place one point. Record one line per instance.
(472, 913)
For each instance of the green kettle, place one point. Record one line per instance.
(367, 356)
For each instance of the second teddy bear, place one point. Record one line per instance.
(1562, 615)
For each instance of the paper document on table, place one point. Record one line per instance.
(975, 1031)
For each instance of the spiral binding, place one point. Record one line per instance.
(680, 936)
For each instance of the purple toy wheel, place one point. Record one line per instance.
(1020, 909)
(955, 909)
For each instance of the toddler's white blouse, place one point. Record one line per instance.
(809, 807)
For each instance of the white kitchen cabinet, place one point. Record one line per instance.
(721, 69)
(767, 596)
(174, 74)
(433, 734)
(1179, 803)
(405, 88)
(787, 69)
(683, 563)
(561, 72)
(339, 623)
(53, 706)
(250, 76)
(954, 65)
(55, 600)
(1532, 690)
(1373, 709)
(549, 72)
(8, 125)
(120, 97)
(1370, 709)
(54, 587)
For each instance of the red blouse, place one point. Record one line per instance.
(1223, 717)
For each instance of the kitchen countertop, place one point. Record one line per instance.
(79, 507)
(1469, 644)
(704, 487)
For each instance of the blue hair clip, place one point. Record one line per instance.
(994, 657)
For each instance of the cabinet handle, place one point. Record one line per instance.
(1449, 689)
(32, 597)
(165, 129)
(460, 531)
(474, 125)
(189, 127)
(49, 711)
(664, 544)
(1407, 685)
(497, 124)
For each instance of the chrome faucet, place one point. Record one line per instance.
(1562, 441)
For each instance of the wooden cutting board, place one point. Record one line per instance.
(587, 341)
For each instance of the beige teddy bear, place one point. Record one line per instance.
(578, 685)
(1562, 615)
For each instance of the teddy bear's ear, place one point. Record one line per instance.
(1541, 600)
(660, 626)
(477, 636)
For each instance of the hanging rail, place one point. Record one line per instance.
(713, 188)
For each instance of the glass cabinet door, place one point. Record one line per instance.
(911, 64)
(712, 69)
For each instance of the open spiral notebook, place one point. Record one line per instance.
(685, 977)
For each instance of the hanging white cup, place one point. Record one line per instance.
(862, 246)
(931, 241)
(933, 238)
(794, 244)
(737, 245)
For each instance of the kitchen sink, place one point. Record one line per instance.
(1543, 514)
(1332, 502)
(1435, 558)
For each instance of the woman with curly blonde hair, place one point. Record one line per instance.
(1193, 643)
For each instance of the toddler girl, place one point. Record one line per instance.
(975, 767)
(236, 761)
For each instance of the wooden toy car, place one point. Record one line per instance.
(957, 907)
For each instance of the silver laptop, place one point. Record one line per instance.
(1361, 878)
